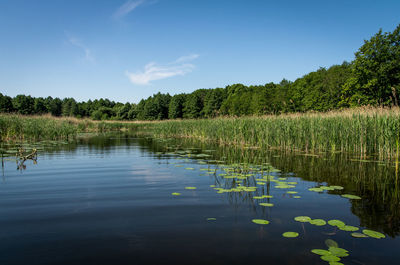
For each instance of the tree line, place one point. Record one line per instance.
(373, 78)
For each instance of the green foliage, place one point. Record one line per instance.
(376, 72)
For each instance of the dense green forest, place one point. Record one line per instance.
(373, 78)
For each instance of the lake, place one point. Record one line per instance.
(108, 199)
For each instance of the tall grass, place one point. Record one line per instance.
(363, 131)
(19, 128)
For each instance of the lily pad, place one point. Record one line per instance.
(331, 243)
(190, 188)
(290, 234)
(176, 193)
(321, 252)
(373, 234)
(337, 187)
(189, 168)
(297, 197)
(266, 204)
(349, 228)
(352, 197)
(318, 222)
(337, 223)
(211, 219)
(302, 219)
(338, 252)
(316, 189)
(258, 197)
(260, 221)
(291, 192)
(330, 258)
(358, 235)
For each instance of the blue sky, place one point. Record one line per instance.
(126, 50)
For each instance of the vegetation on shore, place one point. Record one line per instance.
(373, 78)
(362, 131)
(21, 128)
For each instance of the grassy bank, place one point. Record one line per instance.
(362, 131)
(22, 128)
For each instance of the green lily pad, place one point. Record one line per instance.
(212, 186)
(302, 219)
(297, 197)
(258, 197)
(331, 243)
(338, 252)
(352, 197)
(290, 234)
(260, 221)
(211, 219)
(337, 187)
(190, 188)
(373, 234)
(330, 258)
(321, 252)
(267, 196)
(337, 223)
(318, 222)
(266, 204)
(316, 189)
(291, 192)
(358, 235)
(176, 193)
(349, 228)
(189, 168)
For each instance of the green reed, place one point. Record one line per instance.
(363, 131)
(20, 128)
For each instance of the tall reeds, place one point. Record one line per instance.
(363, 131)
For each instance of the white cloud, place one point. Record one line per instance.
(153, 71)
(126, 8)
(77, 43)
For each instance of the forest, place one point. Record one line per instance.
(372, 78)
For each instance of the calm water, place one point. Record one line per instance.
(107, 200)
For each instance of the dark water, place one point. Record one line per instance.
(107, 200)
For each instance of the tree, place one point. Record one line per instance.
(175, 108)
(23, 104)
(376, 72)
(6, 104)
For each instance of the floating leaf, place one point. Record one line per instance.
(189, 168)
(352, 197)
(318, 222)
(330, 258)
(211, 219)
(260, 221)
(297, 197)
(267, 196)
(316, 189)
(338, 252)
(291, 192)
(358, 235)
(337, 223)
(258, 197)
(348, 228)
(176, 193)
(331, 243)
(373, 234)
(190, 188)
(266, 204)
(290, 234)
(212, 186)
(337, 187)
(321, 252)
(303, 219)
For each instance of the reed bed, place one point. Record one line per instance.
(20, 128)
(363, 131)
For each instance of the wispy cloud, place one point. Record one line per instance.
(153, 71)
(77, 43)
(126, 8)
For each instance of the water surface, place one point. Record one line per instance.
(107, 200)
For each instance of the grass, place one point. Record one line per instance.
(363, 131)
(21, 128)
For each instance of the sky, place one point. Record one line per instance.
(126, 50)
